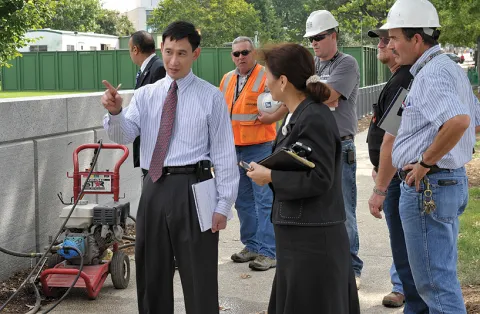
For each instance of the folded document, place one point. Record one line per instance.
(206, 199)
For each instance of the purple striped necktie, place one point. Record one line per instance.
(164, 134)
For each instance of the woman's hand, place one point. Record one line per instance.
(259, 174)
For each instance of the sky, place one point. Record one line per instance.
(119, 5)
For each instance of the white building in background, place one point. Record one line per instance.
(141, 13)
(56, 40)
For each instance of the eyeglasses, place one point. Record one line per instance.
(318, 37)
(384, 40)
(236, 54)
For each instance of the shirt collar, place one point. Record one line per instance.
(249, 72)
(421, 61)
(183, 82)
(144, 64)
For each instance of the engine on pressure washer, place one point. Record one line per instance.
(92, 228)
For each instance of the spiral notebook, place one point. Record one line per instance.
(286, 160)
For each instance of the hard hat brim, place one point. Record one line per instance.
(375, 33)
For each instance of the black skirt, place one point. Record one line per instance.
(314, 273)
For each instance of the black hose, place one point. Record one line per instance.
(126, 246)
(18, 254)
(74, 281)
(94, 162)
(129, 238)
(132, 218)
(38, 301)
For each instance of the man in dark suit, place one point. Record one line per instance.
(142, 53)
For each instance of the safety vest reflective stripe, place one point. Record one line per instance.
(227, 81)
(244, 117)
(259, 79)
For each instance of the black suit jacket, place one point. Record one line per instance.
(313, 197)
(153, 72)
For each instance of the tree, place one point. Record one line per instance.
(124, 26)
(76, 15)
(113, 23)
(460, 21)
(16, 18)
(219, 21)
(357, 17)
(272, 30)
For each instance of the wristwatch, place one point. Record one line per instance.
(424, 165)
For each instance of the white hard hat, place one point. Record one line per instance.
(319, 21)
(265, 103)
(412, 14)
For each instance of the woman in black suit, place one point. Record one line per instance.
(314, 273)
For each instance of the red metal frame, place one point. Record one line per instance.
(77, 175)
(62, 276)
(91, 277)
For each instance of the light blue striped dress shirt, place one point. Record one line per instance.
(440, 91)
(202, 130)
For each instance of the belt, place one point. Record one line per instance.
(347, 137)
(402, 174)
(189, 169)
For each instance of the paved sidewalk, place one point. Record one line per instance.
(250, 295)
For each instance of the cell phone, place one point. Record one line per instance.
(350, 157)
(244, 165)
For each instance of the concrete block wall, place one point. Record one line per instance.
(37, 139)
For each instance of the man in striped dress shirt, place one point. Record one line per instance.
(434, 142)
(184, 125)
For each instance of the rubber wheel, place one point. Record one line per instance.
(54, 260)
(120, 270)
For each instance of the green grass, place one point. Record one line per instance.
(33, 93)
(469, 241)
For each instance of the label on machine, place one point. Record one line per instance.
(98, 182)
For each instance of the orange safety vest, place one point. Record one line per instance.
(247, 129)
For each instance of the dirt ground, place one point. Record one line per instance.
(364, 123)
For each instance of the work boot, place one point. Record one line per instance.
(243, 256)
(262, 263)
(393, 299)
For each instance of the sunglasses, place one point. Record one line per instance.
(237, 54)
(318, 37)
(384, 40)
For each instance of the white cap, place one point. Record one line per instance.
(319, 21)
(412, 14)
(265, 103)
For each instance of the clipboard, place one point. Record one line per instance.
(206, 199)
(286, 160)
(391, 119)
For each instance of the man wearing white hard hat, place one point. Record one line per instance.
(253, 134)
(434, 142)
(341, 73)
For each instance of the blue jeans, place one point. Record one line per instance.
(254, 204)
(431, 239)
(395, 280)
(413, 301)
(349, 189)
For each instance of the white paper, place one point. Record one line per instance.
(206, 200)
(390, 122)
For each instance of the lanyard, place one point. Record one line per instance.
(237, 92)
(429, 58)
(320, 72)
